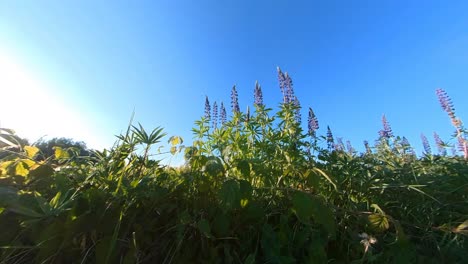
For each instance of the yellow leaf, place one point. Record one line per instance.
(379, 222)
(61, 153)
(31, 151)
(21, 170)
(244, 202)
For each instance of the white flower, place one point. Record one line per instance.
(367, 241)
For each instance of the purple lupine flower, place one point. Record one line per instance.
(366, 145)
(247, 114)
(207, 108)
(440, 145)
(297, 105)
(405, 142)
(386, 132)
(446, 103)
(215, 115)
(234, 101)
(258, 96)
(407, 146)
(222, 114)
(349, 147)
(339, 145)
(454, 151)
(289, 90)
(282, 83)
(330, 141)
(426, 146)
(462, 144)
(312, 122)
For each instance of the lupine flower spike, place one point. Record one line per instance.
(312, 123)
(282, 83)
(386, 132)
(234, 100)
(349, 147)
(426, 146)
(207, 108)
(215, 115)
(368, 149)
(258, 96)
(222, 114)
(330, 140)
(440, 145)
(296, 103)
(447, 105)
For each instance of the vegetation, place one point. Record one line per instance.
(257, 188)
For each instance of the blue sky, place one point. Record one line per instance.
(351, 61)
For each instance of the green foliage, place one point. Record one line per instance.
(255, 189)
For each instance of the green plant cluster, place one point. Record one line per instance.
(256, 188)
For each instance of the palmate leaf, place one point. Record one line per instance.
(306, 207)
(31, 151)
(229, 194)
(379, 222)
(204, 228)
(61, 153)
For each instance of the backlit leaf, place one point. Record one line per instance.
(229, 194)
(31, 151)
(379, 222)
(61, 153)
(21, 170)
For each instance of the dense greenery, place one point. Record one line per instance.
(257, 188)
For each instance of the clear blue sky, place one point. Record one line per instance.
(351, 61)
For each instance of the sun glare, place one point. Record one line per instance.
(28, 106)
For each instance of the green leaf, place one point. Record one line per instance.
(244, 168)
(54, 203)
(221, 225)
(302, 206)
(379, 222)
(306, 207)
(250, 259)
(41, 171)
(204, 228)
(229, 194)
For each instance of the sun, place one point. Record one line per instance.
(29, 106)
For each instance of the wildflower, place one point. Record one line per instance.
(330, 141)
(367, 241)
(462, 144)
(297, 114)
(440, 144)
(289, 90)
(349, 147)
(426, 146)
(446, 103)
(407, 146)
(258, 96)
(386, 132)
(312, 122)
(222, 114)
(366, 145)
(286, 86)
(207, 108)
(215, 115)
(234, 100)
(340, 144)
(282, 83)
(247, 115)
